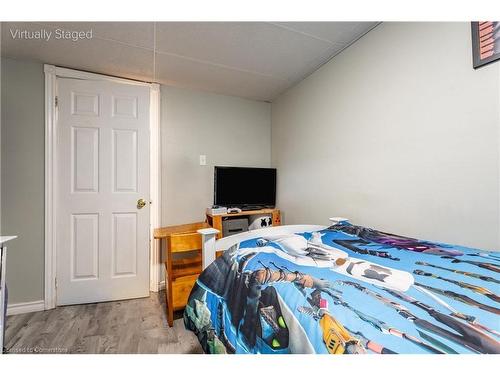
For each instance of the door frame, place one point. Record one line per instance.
(53, 72)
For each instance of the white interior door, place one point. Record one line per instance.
(102, 236)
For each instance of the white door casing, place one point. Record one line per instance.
(102, 170)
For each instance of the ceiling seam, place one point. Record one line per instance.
(223, 66)
(304, 33)
(96, 36)
(123, 43)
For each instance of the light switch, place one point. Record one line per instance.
(203, 159)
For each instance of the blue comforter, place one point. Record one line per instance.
(347, 289)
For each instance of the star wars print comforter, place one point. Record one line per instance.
(347, 289)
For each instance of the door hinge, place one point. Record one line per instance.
(55, 282)
(56, 101)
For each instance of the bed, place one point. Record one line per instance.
(343, 289)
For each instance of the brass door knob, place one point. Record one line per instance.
(141, 203)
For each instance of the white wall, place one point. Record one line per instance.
(397, 132)
(228, 130)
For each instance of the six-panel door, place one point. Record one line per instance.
(102, 148)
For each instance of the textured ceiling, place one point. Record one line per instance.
(255, 60)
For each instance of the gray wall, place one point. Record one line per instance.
(397, 132)
(228, 130)
(22, 177)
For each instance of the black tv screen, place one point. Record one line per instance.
(245, 187)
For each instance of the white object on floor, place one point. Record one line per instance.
(3, 276)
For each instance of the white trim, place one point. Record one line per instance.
(50, 164)
(70, 73)
(25, 307)
(155, 187)
(51, 74)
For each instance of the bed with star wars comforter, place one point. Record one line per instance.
(347, 289)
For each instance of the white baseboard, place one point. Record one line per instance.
(25, 307)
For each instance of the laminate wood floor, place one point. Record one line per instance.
(130, 326)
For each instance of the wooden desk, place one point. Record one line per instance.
(215, 221)
(181, 271)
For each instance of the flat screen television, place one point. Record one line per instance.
(246, 188)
